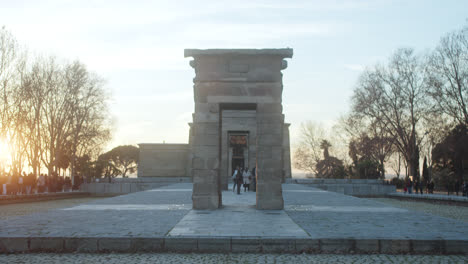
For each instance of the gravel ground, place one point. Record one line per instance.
(449, 211)
(226, 258)
(8, 211)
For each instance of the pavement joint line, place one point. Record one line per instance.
(123, 207)
(343, 209)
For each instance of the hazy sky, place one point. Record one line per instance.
(138, 47)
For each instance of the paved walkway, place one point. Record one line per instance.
(238, 217)
(162, 219)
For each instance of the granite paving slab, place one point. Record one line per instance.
(141, 214)
(333, 215)
(238, 217)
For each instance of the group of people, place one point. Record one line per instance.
(19, 184)
(419, 188)
(244, 177)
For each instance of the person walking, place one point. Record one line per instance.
(41, 184)
(21, 183)
(28, 183)
(254, 179)
(239, 179)
(466, 188)
(234, 178)
(246, 176)
(457, 187)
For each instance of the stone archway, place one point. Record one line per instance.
(238, 80)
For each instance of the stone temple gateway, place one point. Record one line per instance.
(238, 121)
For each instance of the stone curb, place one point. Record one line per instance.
(230, 245)
(27, 198)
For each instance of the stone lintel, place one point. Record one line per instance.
(284, 53)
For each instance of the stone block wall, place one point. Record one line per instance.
(163, 160)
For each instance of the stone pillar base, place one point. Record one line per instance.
(268, 199)
(205, 202)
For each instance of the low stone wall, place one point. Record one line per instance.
(354, 187)
(129, 185)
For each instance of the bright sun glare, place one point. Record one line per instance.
(3, 152)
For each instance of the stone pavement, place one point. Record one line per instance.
(238, 217)
(431, 197)
(162, 220)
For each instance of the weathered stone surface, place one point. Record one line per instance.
(83, 245)
(13, 244)
(215, 245)
(337, 245)
(163, 160)
(428, 246)
(114, 244)
(367, 246)
(278, 245)
(456, 247)
(307, 245)
(246, 245)
(46, 244)
(395, 246)
(174, 244)
(153, 244)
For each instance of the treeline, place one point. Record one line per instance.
(119, 161)
(52, 113)
(409, 109)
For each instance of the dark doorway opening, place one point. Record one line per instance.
(238, 145)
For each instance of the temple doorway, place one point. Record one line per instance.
(238, 151)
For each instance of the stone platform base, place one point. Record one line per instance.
(230, 245)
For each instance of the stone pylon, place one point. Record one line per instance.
(238, 91)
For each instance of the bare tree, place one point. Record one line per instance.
(12, 109)
(393, 97)
(88, 117)
(396, 163)
(49, 111)
(57, 113)
(370, 139)
(8, 57)
(308, 151)
(448, 76)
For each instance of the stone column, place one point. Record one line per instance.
(270, 122)
(286, 153)
(205, 165)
